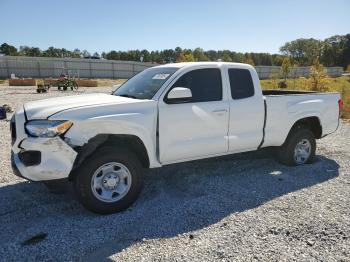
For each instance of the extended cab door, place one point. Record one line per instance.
(198, 127)
(247, 111)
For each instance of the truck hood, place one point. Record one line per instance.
(45, 108)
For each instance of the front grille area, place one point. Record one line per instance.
(13, 129)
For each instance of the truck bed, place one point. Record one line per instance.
(285, 107)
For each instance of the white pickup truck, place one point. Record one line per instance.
(163, 115)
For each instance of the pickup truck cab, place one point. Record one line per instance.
(163, 115)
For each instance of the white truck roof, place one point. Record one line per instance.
(194, 64)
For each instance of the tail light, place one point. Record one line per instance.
(340, 105)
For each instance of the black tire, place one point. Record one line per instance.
(82, 181)
(285, 153)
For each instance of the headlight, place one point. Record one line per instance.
(47, 128)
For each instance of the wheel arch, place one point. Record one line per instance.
(313, 123)
(132, 142)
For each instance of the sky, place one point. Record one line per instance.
(104, 25)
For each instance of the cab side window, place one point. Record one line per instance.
(205, 84)
(241, 83)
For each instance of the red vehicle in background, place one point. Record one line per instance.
(64, 82)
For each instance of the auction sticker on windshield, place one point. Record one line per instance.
(160, 76)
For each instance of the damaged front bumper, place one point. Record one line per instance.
(39, 159)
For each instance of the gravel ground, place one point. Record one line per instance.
(245, 207)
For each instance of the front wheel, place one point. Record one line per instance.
(299, 147)
(109, 181)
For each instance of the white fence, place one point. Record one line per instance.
(41, 67)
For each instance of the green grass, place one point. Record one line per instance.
(338, 84)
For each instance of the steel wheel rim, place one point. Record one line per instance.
(302, 151)
(111, 182)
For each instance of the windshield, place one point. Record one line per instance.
(145, 84)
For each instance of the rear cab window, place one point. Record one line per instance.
(241, 83)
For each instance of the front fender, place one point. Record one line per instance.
(126, 124)
(138, 118)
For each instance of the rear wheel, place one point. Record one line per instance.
(299, 147)
(109, 181)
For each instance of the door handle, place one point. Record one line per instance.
(219, 111)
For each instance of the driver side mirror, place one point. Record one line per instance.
(178, 95)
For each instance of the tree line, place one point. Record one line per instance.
(332, 51)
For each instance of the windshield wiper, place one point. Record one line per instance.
(130, 96)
